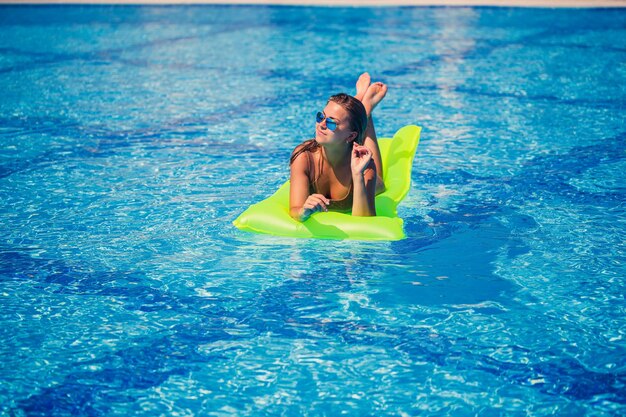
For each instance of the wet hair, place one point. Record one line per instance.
(357, 118)
(356, 112)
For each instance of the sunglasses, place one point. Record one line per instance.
(330, 123)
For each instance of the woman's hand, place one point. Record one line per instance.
(313, 204)
(360, 159)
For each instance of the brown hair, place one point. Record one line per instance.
(356, 112)
(357, 117)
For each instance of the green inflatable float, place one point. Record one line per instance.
(271, 215)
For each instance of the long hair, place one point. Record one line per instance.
(356, 112)
(357, 120)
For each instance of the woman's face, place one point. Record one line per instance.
(342, 133)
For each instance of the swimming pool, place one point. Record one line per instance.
(131, 137)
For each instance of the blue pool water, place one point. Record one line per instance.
(131, 137)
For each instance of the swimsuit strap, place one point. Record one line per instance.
(314, 174)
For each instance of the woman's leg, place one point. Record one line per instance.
(370, 98)
(362, 84)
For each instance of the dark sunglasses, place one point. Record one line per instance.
(330, 123)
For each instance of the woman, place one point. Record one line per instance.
(341, 169)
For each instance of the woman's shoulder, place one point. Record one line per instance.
(303, 150)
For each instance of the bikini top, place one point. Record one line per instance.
(343, 204)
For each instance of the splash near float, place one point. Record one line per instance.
(271, 216)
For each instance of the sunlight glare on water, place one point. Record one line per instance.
(131, 137)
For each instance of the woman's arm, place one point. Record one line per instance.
(363, 182)
(301, 204)
(371, 142)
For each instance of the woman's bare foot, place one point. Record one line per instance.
(374, 95)
(361, 85)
